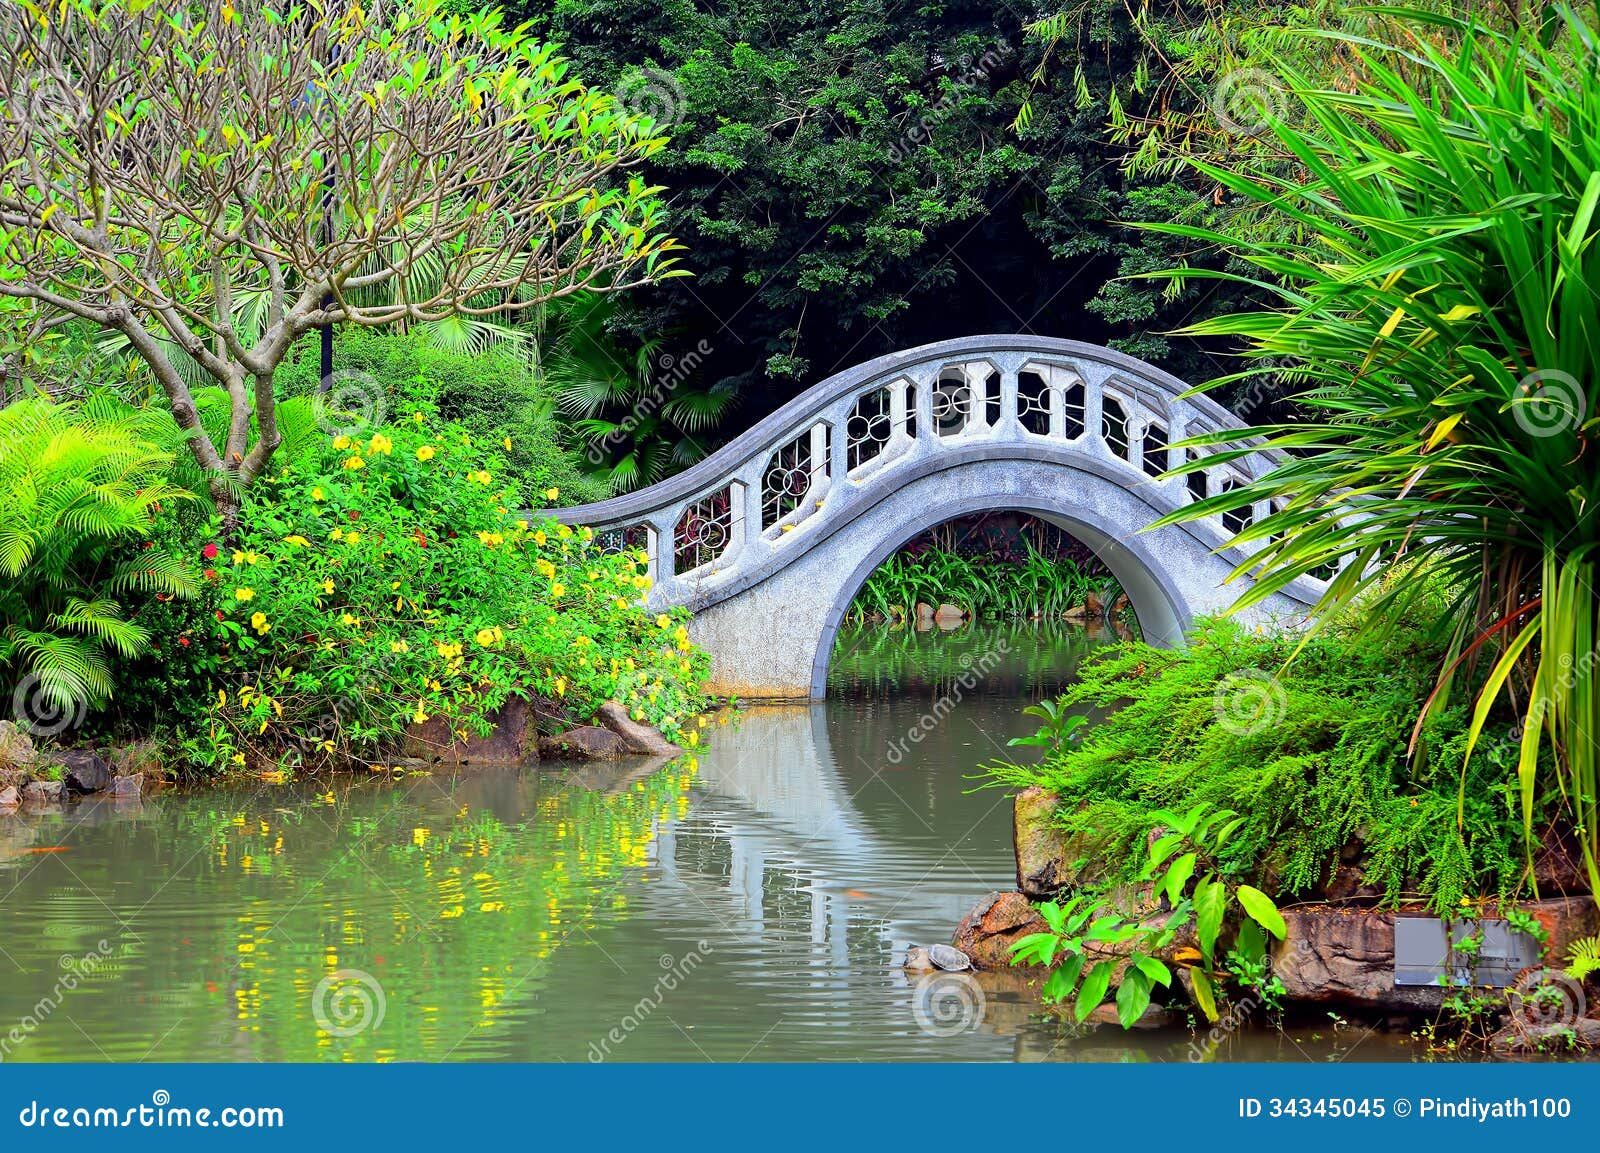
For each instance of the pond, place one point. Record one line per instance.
(753, 902)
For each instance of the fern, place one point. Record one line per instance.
(79, 484)
(1583, 958)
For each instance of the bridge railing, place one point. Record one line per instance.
(805, 466)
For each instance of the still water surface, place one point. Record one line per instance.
(753, 902)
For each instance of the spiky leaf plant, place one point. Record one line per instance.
(1441, 309)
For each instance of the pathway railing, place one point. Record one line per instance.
(804, 467)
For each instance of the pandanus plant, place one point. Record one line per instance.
(1438, 311)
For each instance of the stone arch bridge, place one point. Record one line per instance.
(768, 539)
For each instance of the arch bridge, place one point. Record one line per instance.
(768, 539)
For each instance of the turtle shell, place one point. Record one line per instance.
(949, 958)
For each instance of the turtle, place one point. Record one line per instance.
(949, 958)
(917, 959)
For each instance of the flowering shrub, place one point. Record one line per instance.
(384, 580)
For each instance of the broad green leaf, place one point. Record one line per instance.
(1261, 909)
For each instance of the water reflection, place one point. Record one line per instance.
(752, 903)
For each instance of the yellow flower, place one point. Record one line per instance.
(426, 452)
(354, 462)
(398, 646)
(539, 537)
(348, 619)
(420, 836)
(336, 534)
(621, 603)
(327, 585)
(380, 444)
(552, 494)
(545, 567)
(352, 538)
(558, 590)
(258, 621)
(664, 621)
(641, 582)
(341, 442)
(317, 494)
(243, 594)
(485, 637)
(417, 416)
(481, 476)
(563, 531)
(586, 532)
(238, 557)
(506, 443)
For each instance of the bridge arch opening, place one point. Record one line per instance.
(1156, 602)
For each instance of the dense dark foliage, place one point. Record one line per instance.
(848, 182)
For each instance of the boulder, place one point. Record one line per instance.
(1345, 955)
(84, 770)
(925, 613)
(9, 798)
(44, 793)
(1521, 1037)
(995, 923)
(129, 786)
(584, 743)
(136, 758)
(16, 748)
(639, 737)
(1043, 850)
(1154, 1016)
(513, 741)
(1558, 868)
(948, 615)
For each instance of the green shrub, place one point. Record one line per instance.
(382, 581)
(493, 394)
(1310, 755)
(80, 487)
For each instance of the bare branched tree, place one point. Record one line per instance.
(212, 181)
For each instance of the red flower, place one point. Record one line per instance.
(219, 614)
(184, 641)
(209, 552)
(210, 574)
